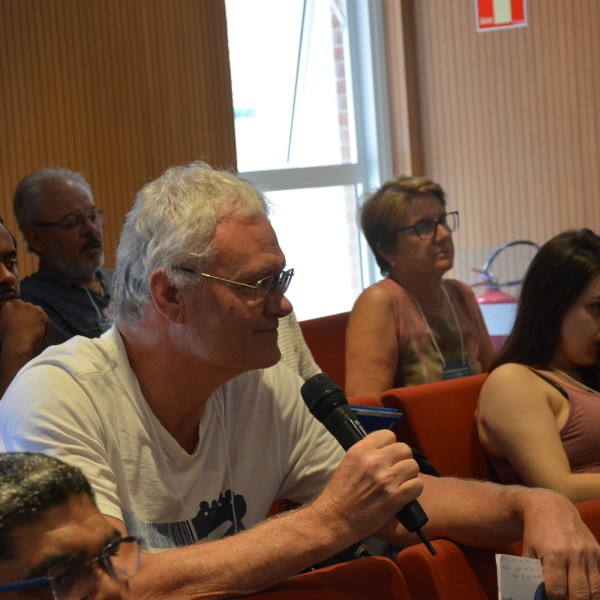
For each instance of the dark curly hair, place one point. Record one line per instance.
(30, 484)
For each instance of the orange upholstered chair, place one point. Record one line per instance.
(454, 573)
(438, 419)
(361, 579)
(457, 572)
(326, 338)
(590, 513)
(366, 400)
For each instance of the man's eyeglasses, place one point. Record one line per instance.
(427, 228)
(261, 289)
(77, 220)
(76, 578)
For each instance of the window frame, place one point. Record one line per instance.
(366, 44)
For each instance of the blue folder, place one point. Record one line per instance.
(374, 417)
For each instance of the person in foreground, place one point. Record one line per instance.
(414, 326)
(23, 326)
(59, 219)
(187, 435)
(54, 543)
(539, 409)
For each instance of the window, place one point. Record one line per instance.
(310, 129)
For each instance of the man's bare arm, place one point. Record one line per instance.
(23, 327)
(376, 478)
(487, 515)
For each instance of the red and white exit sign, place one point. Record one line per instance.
(491, 15)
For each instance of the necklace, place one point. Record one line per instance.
(432, 337)
(573, 380)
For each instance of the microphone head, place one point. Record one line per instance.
(322, 395)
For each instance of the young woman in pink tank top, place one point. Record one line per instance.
(539, 409)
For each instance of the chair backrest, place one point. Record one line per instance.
(326, 339)
(439, 420)
(360, 579)
(454, 573)
(590, 513)
(457, 572)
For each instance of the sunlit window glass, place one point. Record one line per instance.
(307, 124)
(325, 257)
(291, 88)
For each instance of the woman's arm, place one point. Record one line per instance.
(371, 344)
(519, 419)
(486, 354)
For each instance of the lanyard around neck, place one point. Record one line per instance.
(433, 340)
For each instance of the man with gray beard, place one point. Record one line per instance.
(57, 214)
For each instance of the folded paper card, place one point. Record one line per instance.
(519, 578)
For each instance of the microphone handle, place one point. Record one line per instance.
(347, 430)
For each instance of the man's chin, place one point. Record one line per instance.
(266, 359)
(94, 256)
(85, 269)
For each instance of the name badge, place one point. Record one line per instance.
(455, 369)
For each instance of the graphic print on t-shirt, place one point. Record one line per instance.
(214, 520)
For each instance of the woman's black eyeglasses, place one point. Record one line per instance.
(427, 228)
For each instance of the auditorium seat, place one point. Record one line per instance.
(361, 579)
(439, 420)
(326, 338)
(366, 400)
(454, 573)
(457, 572)
(590, 513)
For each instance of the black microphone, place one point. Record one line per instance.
(327, 403)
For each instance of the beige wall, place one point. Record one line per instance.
(506, 121)
(117, 89)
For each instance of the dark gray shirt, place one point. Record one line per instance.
(72, 309)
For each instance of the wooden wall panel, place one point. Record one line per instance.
(508, 120)
(118, 90)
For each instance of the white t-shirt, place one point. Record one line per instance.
(295, 352)
(81, 402)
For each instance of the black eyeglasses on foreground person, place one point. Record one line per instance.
(76, 578)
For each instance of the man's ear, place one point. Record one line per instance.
(33, 238)
(166, 298)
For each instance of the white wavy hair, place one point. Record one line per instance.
(173, 218)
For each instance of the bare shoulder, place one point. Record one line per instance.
(372, 299)
(508, 372)
(373, 309)
(508, 383)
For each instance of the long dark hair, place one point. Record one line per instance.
(557, 275)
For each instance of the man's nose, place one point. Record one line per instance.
(7, 276)
(278, 304)
(90, 225)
